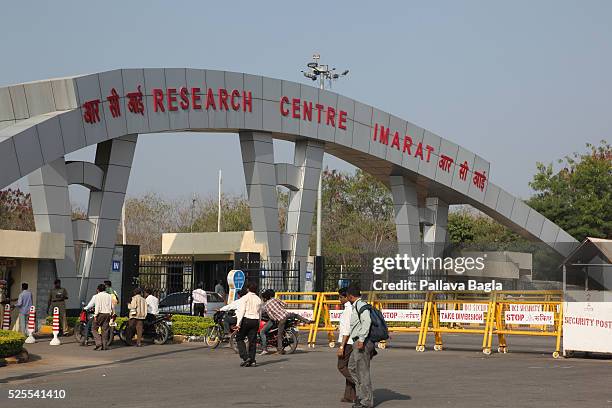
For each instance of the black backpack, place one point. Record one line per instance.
(378, 327)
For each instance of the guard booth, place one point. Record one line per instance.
(587, 284)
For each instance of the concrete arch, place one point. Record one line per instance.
(41, 122)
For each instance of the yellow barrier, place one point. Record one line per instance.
(485, 313)
(326, 300)
(461, 312)
(301, 300)
(394, 303)
(535, 313)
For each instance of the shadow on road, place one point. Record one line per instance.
(384, 394)
(282, 360)
(84, 367)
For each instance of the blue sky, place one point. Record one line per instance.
(516, 82)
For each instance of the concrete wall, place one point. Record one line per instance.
(33, 245)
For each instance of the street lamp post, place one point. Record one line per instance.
(322, 73)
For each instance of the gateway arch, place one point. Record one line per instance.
(42, 121)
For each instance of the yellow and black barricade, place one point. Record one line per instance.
(456, 312)
(404, 312)
(306, 304)
(527, 313)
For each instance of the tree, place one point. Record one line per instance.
(235, 215)
(357, 217)
(16, 210)
(476, 229)
(578, 198)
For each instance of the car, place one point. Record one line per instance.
(179, 303)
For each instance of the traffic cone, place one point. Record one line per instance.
(6, 319)
(55, 341)
(31, 325)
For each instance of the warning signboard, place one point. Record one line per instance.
(528, 317)
(460, 316)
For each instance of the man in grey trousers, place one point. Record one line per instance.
(363, 350)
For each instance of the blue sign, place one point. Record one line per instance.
(239, 279)
(344, 283)
(116, 266)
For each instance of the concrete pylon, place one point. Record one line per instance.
(260, 175)
(115, 158)
(434, 236)
(53, 213)
(308, 159)
(407, 218)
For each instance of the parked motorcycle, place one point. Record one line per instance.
(159, 330)
(83, 330)
(290, 337)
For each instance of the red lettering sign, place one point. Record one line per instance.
(92, 111)
(113, 103)
(135, 104)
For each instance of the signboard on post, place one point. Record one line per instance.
(235, 281)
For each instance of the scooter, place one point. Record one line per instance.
(83, 330)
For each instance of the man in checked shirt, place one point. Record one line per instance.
(276, 310)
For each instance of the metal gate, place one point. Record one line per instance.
(280, 276)
(171, 280)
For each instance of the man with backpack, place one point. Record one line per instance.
(367, 327)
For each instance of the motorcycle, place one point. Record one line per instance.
(290, 337)
(159, 330)
(83, 330)
(215, 334)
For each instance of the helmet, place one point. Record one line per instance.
(268, 293)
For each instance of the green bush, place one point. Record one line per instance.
(181, 324)
(72, 321)
(11, 343)
(190, 325)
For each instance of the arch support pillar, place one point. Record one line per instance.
(115, 158)
(257, 150)
(53, 213)
(434, 235)
(308, 159)
(407, 218)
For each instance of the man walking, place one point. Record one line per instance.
(152, 305)
(24, 302)
(363, 349)
(103, 309)
(109, 289)
(248, 322)
(57, 298)
(220, 290)
(346, 347)
(199, 300)
(138, 314)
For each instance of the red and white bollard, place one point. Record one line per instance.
(55, 341)
(6, 319)
(31, 325)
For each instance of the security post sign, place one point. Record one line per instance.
(587, 326)
(235, 281)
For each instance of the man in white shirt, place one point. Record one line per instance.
(247, 316)
(229, 319)
(346, 347)
(152, 305)
(199, 300)
(103, 309)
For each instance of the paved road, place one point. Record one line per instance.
(191, 375)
